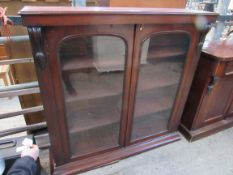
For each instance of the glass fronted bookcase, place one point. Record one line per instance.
(114, 81)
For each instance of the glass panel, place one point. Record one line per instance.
(161, 65)
(93, 72)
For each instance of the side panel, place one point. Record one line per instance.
(206, 68)
(41, 58)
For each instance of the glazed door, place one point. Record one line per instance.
(158, 65)
(94, 68)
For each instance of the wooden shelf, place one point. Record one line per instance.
(149, 74)
(77, 63)
(94, 113)
(165, 52)
(100, 127)
(101, 65)
(108, 84)
(153, 101)
(95, 86)
(87, 94)
(95, 140)
(117, 63)
(152, 111)
(109, 64)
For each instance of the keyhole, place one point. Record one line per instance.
(141, 27)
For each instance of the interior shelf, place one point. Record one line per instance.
(157, 73)
(165, 52)
(97, 139)
(86, 130)
(101, 65)
(94, 113)
(116, 64)
(106, 84)
(95, 85)
(91, 114)
(76, 64)
(153, 101)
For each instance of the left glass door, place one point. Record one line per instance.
(92, 70)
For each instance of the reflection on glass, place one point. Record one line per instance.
(161, 65)
(93, 72)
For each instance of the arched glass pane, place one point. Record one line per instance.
(92, 77)
(161, 66)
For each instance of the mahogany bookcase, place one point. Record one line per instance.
(114, 81)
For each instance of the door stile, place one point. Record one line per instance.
(129, 38)
(133, 82)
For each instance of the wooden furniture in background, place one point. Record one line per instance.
(6, 75)
(24, 73)
(3, 52)
(148, 3)
(5, 70)
(114, 81)
(209, 106)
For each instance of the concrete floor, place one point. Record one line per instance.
(209, 156)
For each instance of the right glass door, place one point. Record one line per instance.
(162, 59)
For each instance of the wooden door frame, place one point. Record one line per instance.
(62, 153)
(141, 34)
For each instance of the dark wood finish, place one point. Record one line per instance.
(75, 89)
(49, 16)
(115, 155)
(47, 91)
(214, 49)
(209, 105)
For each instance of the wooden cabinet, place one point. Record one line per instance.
(114, 81)
(209, 106)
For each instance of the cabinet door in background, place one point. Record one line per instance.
(216, 105)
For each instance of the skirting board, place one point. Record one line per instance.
(114, 156)
(206, 130)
